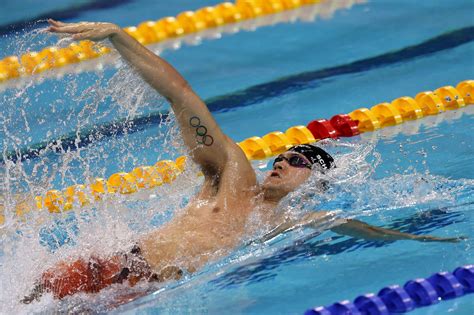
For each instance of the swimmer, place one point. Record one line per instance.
(214, 221)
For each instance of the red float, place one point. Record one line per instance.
(322, 129)
(345, 125)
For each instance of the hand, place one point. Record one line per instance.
(429, 238)
(84, 30)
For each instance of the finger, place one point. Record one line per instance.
(56, 29)
(55, 23)
(70, 29)
(53, 29)
(450, 240)
(460, 239)
(83, 35)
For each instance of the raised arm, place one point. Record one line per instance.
(209, 146)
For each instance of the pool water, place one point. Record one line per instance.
(416, 177)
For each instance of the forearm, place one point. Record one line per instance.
(360, 229)
(199, 129)
(363, 230)
(155, 70)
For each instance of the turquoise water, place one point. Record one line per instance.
(416, 177)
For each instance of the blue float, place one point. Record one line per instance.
(415, 293)
(422, 292)
(344, 308)
(396, 299)
(465, 275)
(446, 285)
(370, 304)
(321, 310)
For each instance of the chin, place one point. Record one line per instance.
(269, 186)
(272, 182)
(274, 185)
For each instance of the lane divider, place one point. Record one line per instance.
(414, 294)
(51, 57)
(363, 120)
(142, 177)
(258, 148)
(148, 32)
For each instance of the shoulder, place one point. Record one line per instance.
(237, 172)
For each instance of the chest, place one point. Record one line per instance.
(224, 209)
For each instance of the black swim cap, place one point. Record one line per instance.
(315, 155)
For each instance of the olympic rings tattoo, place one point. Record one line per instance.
(195, 121)
(201, 132)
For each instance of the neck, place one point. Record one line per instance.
(273, 197)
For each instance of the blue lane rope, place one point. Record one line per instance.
(414, 294)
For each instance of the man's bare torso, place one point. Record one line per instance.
(210, 226)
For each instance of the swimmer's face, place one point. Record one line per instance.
(286, 177)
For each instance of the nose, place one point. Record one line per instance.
(279, 165)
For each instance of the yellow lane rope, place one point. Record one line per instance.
(164, 29)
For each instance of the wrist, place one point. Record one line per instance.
(114, 30)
